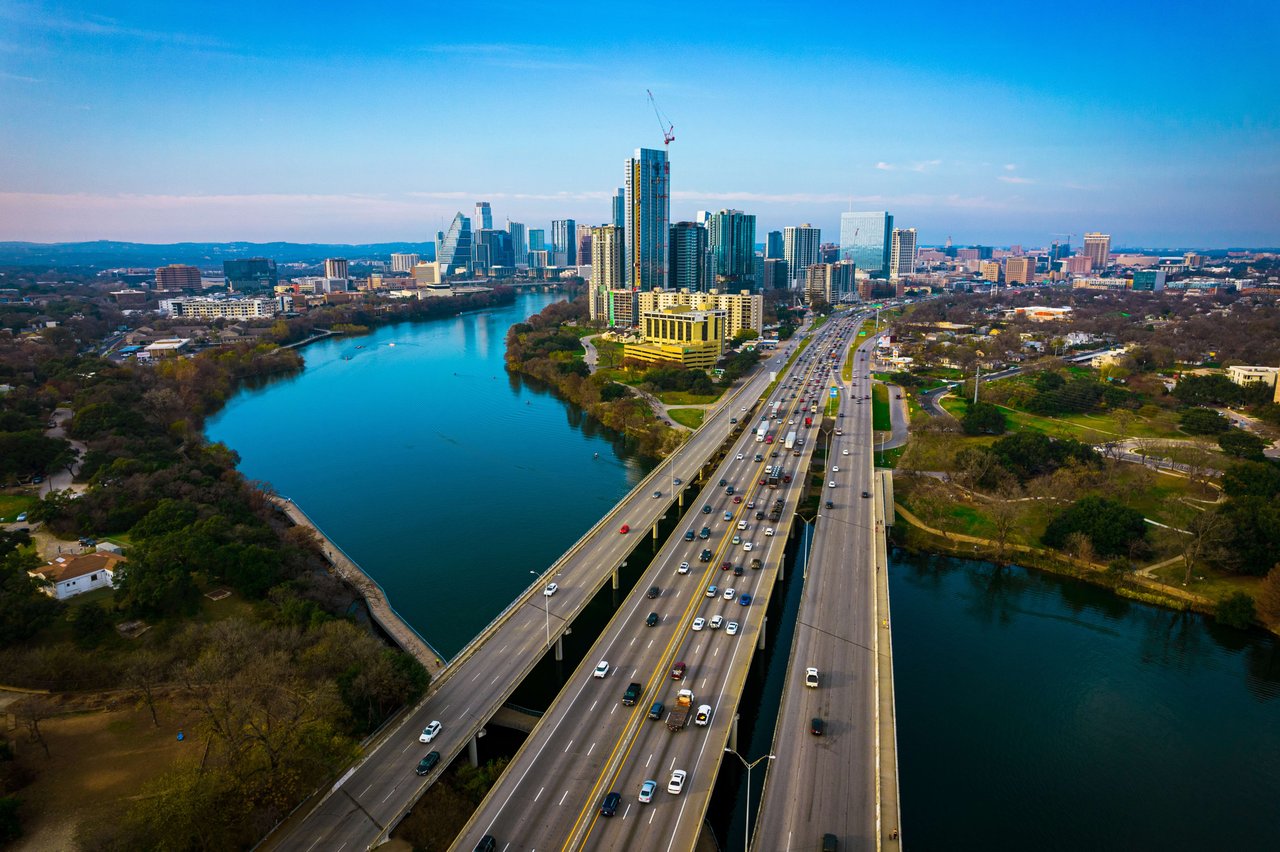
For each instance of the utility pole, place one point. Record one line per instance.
(976, 377)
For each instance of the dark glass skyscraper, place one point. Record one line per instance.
(865, 239)
(454, 247)
(773, 244)
(564, 242)
(648, 217)
(731, 239)
(689, 257)
(252, 274)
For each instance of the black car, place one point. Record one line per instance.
(737, 571)
(866, 493)
(688, 536)
(428, 763)
(706, 510)
(830, 505)
(653, 592)
(652, 620)
(759, 515)
(609, 806)
(723, 483)
(705, 556)
(704, 533)
(817, 726)
(487, 844)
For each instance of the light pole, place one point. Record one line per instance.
(746, 820)
(546, 609)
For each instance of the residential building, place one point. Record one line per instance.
(1020, 270)
(731, 240)
(403, 262)
(1243, 375)
(519, 243)
(454, 247)
(648, 218)
(484, 216)
(1150, 280)
(564, 242)
(1095, 283)
(250, 274)
(583, 240)
(607, 272)
(179, 276)
(743, 309)
(211, 309)
(990, 270)
(773, 245)
(1191, 260)
(620, 209)
(775, 274)
(537, 239)
(902, 253)
(1080, 264)
(1098, 248)
(866, 239)
(74, 575)
(427, 274)
(539, 258)
(681, 335)
(335, 267)
(800, 249)
(831, 282)
(688, 266)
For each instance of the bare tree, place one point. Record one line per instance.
(1206, 534)
(146, 671)
(33, 711)
(1080, 546)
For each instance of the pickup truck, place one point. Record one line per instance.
(679, 715)
(632, 694)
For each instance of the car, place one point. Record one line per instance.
(678, 670)
(647, 790)
(731, 628)
(729, 594)
(657, 494)
(740, 457)
(654, 591)
(773, 455)
(791, 422)
(768, 531)
(723, 483)
(683, 569)
(653, 619)
(704, 533)
(22, 516)
(844, 452)
(866, 493)
(742, 525)
(728, 516)
(835, 469)
(602, 669)
(737, 539)
(811, 677)
(759, 515)
(733, 420)
(817, 726)
(429, 732)
(712, 591)
(688, 535)
(487, 844)
(747, 546)
(624, 529)
(704, 556)
(703, 718)
(698, 623)
(655, 711)
(677, 481)
(728, 489)
(609, 806)
(759, 457)
(737, 571)
(676, 784)
(744, 408)
(737, 498)
(551, 589)
(716, 622)
(830, 505)
(831, 484)
(706, 510)
(428, 763)
(751, 505)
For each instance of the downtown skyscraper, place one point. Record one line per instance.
(564, 242)
(902, 254)
(453, 247)
(689, 260)
(519, 242)
(865, 238)
(648, 218)
(484, 216)
(731, 239)
(800, 249)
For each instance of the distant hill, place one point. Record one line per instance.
(103, 254)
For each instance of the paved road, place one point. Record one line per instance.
(827, 784)
(63, 478)
(589, 744)
(375, 794)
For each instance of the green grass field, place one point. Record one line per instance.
(686, 398)
(1090, 428)
(12, 505)
(880, 408)
(691, 417)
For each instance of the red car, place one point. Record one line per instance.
(625, 529)
(737, 498)
(677, 671)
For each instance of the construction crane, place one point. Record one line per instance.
(664, 123)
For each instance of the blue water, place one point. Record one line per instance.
(1038, 712)
(445, 478)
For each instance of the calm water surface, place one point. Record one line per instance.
(447, 480)
(1035, 712)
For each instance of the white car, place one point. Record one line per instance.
(740, 457)
(429, 732)
(831, 484)
(676, 784)
(737, 539)
(811, 677)
(602, 669)
(742, 525)
(699, 623)
(551, 589)
(844, 452)
(729, 593)
(747, 546)
(704, 716)
(768, 531)
(716, 622)
(683, 569)
(835, 469)
(731, 628)
(711, 591)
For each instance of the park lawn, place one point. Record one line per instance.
(847, 372)
(686, 398)
(1210, 582)
(880, 409)
(691, 417)
(889, 458)
(12, 505)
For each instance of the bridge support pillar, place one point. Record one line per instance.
(473, 751)
(764, 623)
(733, 733)
(680, 496)
(655, 532)
(559, 648)
(617, 580)
(782, 570)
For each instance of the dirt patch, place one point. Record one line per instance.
(97, 760)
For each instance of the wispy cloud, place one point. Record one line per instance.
(1014, 179)
(515, 55)
(35, 17)
(20, 78)
(1009, 167)
(885, 167)
(918, 166)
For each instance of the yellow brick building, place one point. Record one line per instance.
(680, 335)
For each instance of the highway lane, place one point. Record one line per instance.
(549, 796)
(372, 796)
(827, 784)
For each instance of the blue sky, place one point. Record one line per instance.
(358, 122)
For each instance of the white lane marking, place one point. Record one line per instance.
(633, 672)
(466, 712)
(593, 748)
(627, 811)
(366, 789)
(650, 645)
(673, 765)
(614, 710)
(495, 680)
(540, 789)
(716, 652)
(633, 641)
(704, 683)
(406, 748)
(504, 648)
(476, 675)
(593, 704)
(652, 814)
(565, 796)
(650, 760)
(390, 793)
(446, 707)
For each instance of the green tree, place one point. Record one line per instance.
(90, 624)
(25, 607)
(983, 418)
(1252, 479)
(1111, 527)
(1255, 535)
(1203, 421)
(1242, 444)
(1236, 610)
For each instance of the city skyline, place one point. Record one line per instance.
(155, 123)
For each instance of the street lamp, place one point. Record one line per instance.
(546, 609)
(746, 820)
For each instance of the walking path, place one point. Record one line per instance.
(899, 419)
(63, 479)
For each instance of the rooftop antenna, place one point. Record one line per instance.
(664, 123)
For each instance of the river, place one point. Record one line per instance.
(1034, 711)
